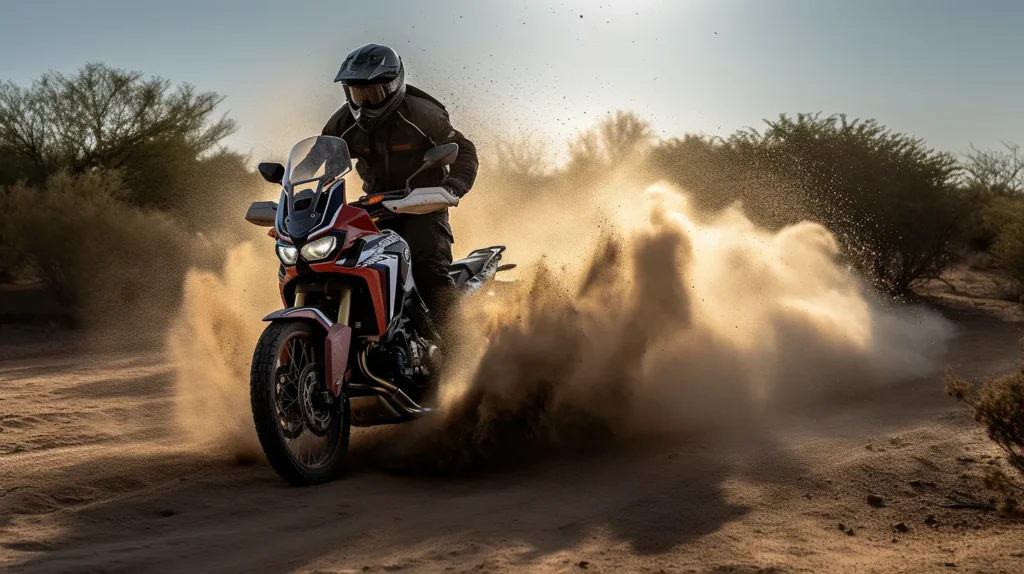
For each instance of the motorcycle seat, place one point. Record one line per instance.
(473, 264)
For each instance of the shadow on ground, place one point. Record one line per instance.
(187, 512)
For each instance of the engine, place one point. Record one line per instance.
(408, 360)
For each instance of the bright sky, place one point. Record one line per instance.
(946, 70)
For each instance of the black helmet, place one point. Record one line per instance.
(374, 81)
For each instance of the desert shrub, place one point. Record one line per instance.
(891, 201)
(992, 214)
(209, 193)
(719, 172)
(1006, 219)
(1009, 252)
(998, 405)
(96, 252)
(995, 228)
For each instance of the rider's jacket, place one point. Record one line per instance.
(393, 150)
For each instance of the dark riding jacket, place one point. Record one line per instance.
(393, 150)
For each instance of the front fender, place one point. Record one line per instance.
(296, 313)
(337, 341)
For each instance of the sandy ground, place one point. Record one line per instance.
(91, 480)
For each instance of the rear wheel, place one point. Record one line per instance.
(302, 427)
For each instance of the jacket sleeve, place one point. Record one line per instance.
(438, 128)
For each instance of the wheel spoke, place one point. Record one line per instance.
(307, 360)
(302, 404)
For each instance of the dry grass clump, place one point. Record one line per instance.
(998, 404)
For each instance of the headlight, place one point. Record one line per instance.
(319, 249)
(287, 254)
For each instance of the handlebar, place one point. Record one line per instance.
(415, 201)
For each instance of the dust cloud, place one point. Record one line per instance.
(675, 321)
(211, 344)
(630, 314)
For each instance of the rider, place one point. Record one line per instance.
(388, 125)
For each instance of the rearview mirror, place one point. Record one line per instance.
(262, 213)
(441, 155)
(272, 172)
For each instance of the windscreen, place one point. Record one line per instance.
(315, 166)
(321, 158)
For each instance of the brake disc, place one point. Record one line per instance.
(315, 401)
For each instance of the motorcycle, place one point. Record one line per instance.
(354, 344)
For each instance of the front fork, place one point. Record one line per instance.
(344, 304)
(338, 340)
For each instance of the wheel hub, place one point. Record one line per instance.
(314, 401)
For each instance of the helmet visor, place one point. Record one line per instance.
(366, 95)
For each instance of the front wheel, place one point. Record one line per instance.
(302, 427)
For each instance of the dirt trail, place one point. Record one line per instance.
(90, 482)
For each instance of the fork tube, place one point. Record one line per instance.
(345, 305)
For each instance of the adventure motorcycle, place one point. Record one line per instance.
(355, 344)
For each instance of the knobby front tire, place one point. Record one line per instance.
(288, 356)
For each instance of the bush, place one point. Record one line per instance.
(995, 228)
(999, 406)
(97, 253)
(1008, 247)
(891, 201)
(720, 172)
(210, 193)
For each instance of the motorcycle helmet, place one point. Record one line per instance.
(374, 82)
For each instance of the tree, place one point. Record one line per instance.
(618, 138)
(101, 117)
(999, 172)
(522, 157)
(623, 135)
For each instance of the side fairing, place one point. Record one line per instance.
(388, 254)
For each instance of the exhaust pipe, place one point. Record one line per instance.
(395, 397)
